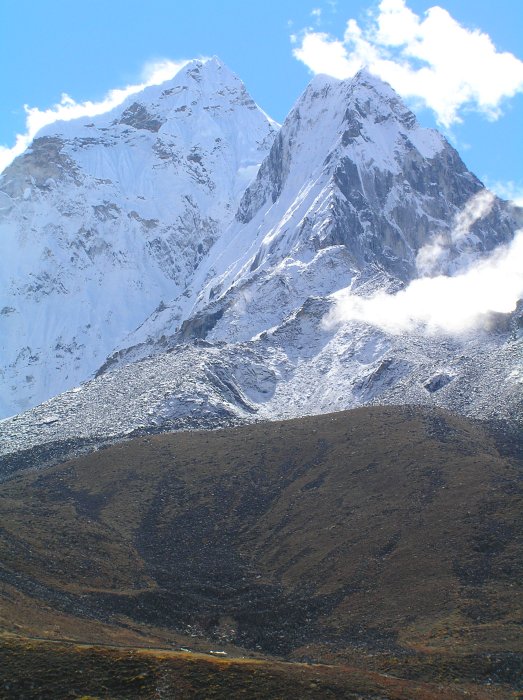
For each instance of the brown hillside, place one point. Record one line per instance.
(384, 537)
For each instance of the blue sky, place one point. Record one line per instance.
(85, 49)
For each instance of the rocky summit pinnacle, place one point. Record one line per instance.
(359, 153)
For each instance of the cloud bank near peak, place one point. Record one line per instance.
(433, 59)
(438, 303)
(154, 73)
(441, 304)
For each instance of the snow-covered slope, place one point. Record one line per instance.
(104, 219)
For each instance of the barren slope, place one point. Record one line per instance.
(385, 537)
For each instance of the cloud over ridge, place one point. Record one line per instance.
(439, 303)
(153, 73)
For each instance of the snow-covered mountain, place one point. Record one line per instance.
(104, 219)
(353, 179)
(350, 192)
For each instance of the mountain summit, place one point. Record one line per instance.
(353, 184)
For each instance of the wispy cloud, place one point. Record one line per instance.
(433, 59)
(510, 190)
(432, 257)
(153, 73)
(442, 303)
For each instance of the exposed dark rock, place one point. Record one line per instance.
(437, 382)
(137, 116)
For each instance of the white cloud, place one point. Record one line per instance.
(67, 109)
(444, 304)
(434, 59)
(324, 55)
(432, 256)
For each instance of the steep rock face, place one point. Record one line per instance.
(386, 184)
(104, 219)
